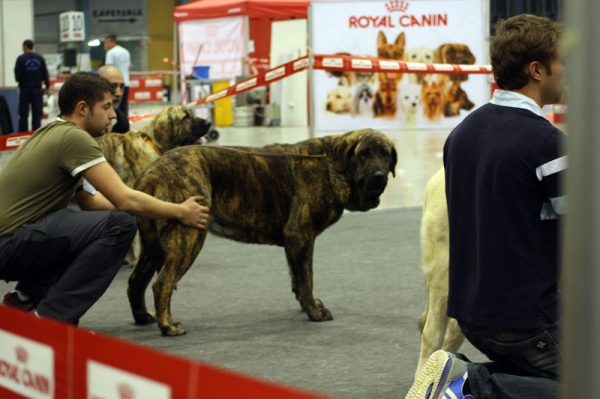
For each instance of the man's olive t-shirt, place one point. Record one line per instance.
(41, 176)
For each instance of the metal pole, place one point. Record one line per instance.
(246, 56)
(311, 73)
(581, 260)
(176, 75)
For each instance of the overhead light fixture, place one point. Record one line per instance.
(94, 43)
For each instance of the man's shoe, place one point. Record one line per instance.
(12, 299)
(443, 376)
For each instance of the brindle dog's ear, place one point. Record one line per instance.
(393, 161)
(341, 154)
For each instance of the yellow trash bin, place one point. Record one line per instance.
(223, 111)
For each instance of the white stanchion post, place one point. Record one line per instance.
(581, 260)
(311, 77)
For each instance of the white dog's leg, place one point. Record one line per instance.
(454, 337)
(436, 322)
(437, 333)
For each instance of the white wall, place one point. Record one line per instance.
(288, 42)
(16, 25)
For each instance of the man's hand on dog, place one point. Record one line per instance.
(194, 214)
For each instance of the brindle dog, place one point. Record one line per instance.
(281, 194)
(132, 152)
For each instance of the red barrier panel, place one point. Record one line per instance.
(11, 142)
(145, 89)
(46, 359)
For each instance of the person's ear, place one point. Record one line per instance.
(535, 70)
(81, 108)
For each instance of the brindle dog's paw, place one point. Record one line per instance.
(145, 318)
(320, 313)
(173, 330)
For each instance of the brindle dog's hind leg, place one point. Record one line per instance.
(299, 246)
(182, 245)
(138, 282)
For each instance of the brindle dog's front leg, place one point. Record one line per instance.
(299, 245)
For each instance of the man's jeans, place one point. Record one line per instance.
(35, 98)
(65, 261)
(525, 363)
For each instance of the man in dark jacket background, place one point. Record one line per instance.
(115, 77)
(30, 71)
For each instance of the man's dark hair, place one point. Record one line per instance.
(112, 38)
(28, 44)
(82, 86)
(519, 41)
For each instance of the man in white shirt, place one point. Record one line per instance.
(119, 56)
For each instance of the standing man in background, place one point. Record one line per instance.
(30, 71)
(119, 57)
(115, 77)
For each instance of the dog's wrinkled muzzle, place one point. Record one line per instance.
(376, 184)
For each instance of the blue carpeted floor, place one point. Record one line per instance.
(240, 314)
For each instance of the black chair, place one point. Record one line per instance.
(6, 124)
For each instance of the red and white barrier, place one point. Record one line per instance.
(340, 63)
(256, 65)
(363, 64)
(46, 359)
(11, 142)
(145, 89)
(262, 79)
(558, 113)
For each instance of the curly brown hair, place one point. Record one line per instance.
(520, 40)
(82, 86)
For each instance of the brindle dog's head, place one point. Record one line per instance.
(175, 126)
(365, 157)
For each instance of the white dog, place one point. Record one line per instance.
(339, 98)
(438, 331)
(409, 101)
(362, 101)
(419, 54)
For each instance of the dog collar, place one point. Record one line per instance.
(148, 140)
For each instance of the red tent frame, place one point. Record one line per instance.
(264, 9)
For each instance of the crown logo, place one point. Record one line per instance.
(397, 5)
(126, 391)
(22, 354)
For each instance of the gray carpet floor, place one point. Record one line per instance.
(240, 314)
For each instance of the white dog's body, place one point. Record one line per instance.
(438, 331)
(409, 101)
(362, 102)
(419, 54)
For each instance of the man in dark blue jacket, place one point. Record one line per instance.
(115, 77)
(30, 71)
(503, 167)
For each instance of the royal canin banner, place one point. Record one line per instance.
(218, 43)
(417, 31)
